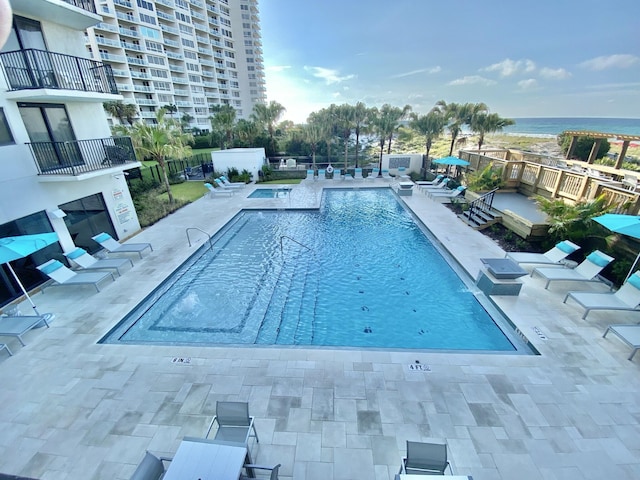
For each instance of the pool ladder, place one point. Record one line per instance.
(200, 230)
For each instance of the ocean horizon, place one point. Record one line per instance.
(553, 126)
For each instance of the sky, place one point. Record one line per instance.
(522, 58)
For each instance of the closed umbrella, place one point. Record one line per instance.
(13, 248)
(623, 224)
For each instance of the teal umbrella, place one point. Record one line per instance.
(625, 225)
(13, 248)
(455, 161)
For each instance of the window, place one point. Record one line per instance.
(249, 59)
(248, 43)
(228, 44)
(154, 46)
(229, 54)
(199, 101)
(193, 67)
(248, 51)
(166, 86)
(188, 43)
(227, 33)
(195, 79)
(225, 21)
(165, 98)
(190, 54)
(185, 29)
(155, 60)
(147, 19)
(149, 32)
(182, 4)
(231, 64)
(244, 7)
(6, 137)
(246, 25)
(182, 17)
(158, 73)
(236, 94)
(146, 5)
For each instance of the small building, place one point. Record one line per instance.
(249, 159)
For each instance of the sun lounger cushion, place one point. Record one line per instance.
(635, 281)
(78, 252)
(598, 260)
(102, 237)
(565, 247)
(51, 267)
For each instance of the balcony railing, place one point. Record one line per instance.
(87, 5)
(82, 156)
(32, 69)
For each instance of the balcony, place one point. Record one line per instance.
(34, 70)
(81, 157)
(76, 14)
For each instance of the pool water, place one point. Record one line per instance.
(358, 272)
(270, 193)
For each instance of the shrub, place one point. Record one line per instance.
(151, 208)
(583, 147)
(486, 179)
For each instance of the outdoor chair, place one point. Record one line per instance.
(434, 188)
(11, 326)
(224, 186)
(385, 174)
(373, 175)
(447, 195)
(4, 347)
(587, 271)
(337, 174)
(357, 174)
(554, 256)
(150, 468)
(88, 262)
(425, 458)
(107, 242)
(251, 467)
(321, 174)
(234, 423)
(214, 192)
(63, 276)
(310, 174)
(228, 183)
(629, 334)
(626, 298)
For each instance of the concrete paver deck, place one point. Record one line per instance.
(74, 409)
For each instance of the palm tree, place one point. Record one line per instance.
(122, 111)
(268, 116)
(458, 115)
(171, 109)
(431, 126)
(223, 121)
(161, 141)
(484, 123)
(344, 122)
(314, 133)
(360, 116)
(326, 118)
(395, 116)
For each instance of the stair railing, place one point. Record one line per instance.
(481, 204)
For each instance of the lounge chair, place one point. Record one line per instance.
(226, 181)
(89, 262)
(250, 467)
(357, 174)
(214, 192)
(587, 271)
(348, 176)
(62, 275)
(222, 185)
(626, 298)
(402, 174)
(3, 346)
(446, 195)
(234, 423)
(107, 242)
(629, 334)
(434, 188)
(310, 174)
(426, 184)
(321, 174)
(373, 175)
(337, 174)
(425, 458)
(385, 174)
(555, 256)
(18, 326)
(150, 468)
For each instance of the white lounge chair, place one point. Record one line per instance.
(437, 187)
(446, 195)
(321, 174)
(373, 175)
(215, 192)
(107, 242)
(357, 174)
(587, 271)
(385, 174)
(337, 174)
(629, 334)
(426, 184)
(226, 181)
(554, 256)
(62, 275)
(89, 262)
(310, 175)
(17, 326)
(626, 298)
(3, 346)
(222, 185)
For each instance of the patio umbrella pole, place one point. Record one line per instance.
(23, 289)
(632, 267)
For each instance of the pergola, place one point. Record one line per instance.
(598, 136)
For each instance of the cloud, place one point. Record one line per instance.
(529, 84)
(278, 68)
(416, 72)
(330, 76)
(509, 67)
(472, 80)
(554, 73)
(610, 61)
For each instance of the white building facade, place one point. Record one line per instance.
(191, 54)
(60, 168)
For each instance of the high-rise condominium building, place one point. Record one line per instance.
(191, 54)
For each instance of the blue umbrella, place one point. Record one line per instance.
(624, 224)
(458, 162)
(13, 248)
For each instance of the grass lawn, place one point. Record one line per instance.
(187, 191)
(284, 181)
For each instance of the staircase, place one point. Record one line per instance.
(481, 213)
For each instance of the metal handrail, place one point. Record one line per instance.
(294, 241)
(483, 203)
(200, 230)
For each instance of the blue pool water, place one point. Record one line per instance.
(359, 272)
(270, 193)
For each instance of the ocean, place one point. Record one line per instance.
(550, 127)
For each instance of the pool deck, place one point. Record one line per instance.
(73, 409)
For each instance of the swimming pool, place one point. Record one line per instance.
(358, 272)
(270, 193)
